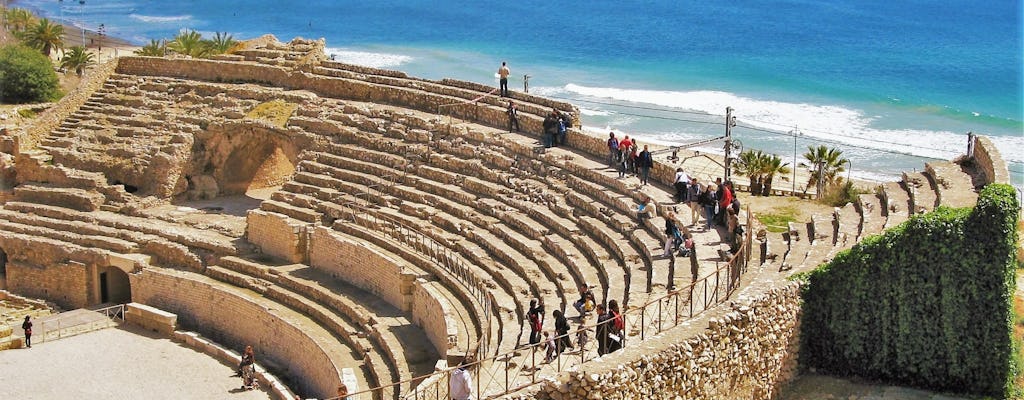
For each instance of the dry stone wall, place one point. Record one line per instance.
(70, 103)
(276, 235)
(233, 320)
(990, 161)
(744, 354)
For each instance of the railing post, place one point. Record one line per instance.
(643, 324)
(659, 316)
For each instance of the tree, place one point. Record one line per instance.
(772, 165)
(189, 44)
(77, 59)
(221, 43)
(749, 165)
(45, 36)
(155, 48)
(19, 19)
(26, 76)
(827, 163)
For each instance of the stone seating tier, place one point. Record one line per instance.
(899, 204)
(921, 189)
(953, 186)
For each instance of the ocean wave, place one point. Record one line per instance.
(160, 19)
(828, 122)
(593, 113)
(368, 59)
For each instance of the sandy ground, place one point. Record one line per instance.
(116, 363)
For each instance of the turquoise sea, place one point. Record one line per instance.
(892, 83)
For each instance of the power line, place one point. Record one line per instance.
(635, 107)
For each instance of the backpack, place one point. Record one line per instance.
(535, 323)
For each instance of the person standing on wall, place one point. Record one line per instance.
(503, 74)
(27, 327)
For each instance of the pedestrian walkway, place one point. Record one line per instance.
(122, 363)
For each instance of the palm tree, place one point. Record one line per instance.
(828, 163)
(772, 165)
(188, 43)
(19, 19)
(155, 48)
(749, 165)
(221, 43)
(77, 59)
(45, 36)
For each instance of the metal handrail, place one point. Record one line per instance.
(512, 366)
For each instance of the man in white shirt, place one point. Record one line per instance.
(460, 383)
(503, 74)
(682, 185)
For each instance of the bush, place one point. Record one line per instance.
(26, 76)
(927, 303)
(841, 194)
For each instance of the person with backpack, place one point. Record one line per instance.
(564, 123)
(709, 200)
(535, 316)
(550, 129)
(672, 235)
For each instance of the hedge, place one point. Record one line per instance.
(927, 303)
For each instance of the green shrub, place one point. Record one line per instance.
(26, 76)
(927, 303)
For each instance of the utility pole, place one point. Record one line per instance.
(730, 122)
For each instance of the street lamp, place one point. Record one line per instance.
(796, 133)
(81, 15)
(99, 44)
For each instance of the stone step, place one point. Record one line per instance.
(922, 191)
(76, 199)
(301, 214)
(107, 243)
(953, 185)
(899, 204)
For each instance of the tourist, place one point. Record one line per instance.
(248, 358)
(709, 200)
(513, 116)
(460, 382)
(549, 347)
(625, 153)
(616, 333)
(646, 210)
(581, 337)
(724, 202)
(27, 327)
(535, 315)
(645, 161)
(586, 301)
(550, 129)
(693, 195)
(563, 128)
(562, 331)
(603, 330)
(342, 392)
(681, 184)
(613, 149)
(672, 235)
(503, 73)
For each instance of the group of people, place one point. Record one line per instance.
(717, 202)
(609, 331)
(556, 126)
(626, 157)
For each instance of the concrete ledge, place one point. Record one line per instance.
(151, 318)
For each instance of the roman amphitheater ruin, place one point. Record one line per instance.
(363, 226)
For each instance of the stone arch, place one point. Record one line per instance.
(232, 159)
(114, 286)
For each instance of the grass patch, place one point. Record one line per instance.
(276, 112)
(778, 219)
(26, 113)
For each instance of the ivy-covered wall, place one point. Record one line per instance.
(928, 303)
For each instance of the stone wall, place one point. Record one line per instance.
(393, 280)
(233, 320)
(744, 354)
(66, 284)
(276, 235)
(434, 317)
(990, 161)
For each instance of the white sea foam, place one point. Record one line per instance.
(593, 113)
(160, 19)
(368, 59)
(830, 122)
